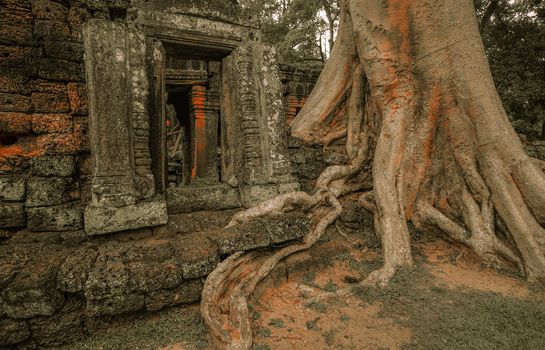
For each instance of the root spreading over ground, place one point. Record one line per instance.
(425, 125)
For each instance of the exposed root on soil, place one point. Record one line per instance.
(224, 300)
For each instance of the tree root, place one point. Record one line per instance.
(224, 299)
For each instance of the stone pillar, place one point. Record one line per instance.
(204, 115)
(106, 66)
(257, 96)
(247, 110)
(117, 88)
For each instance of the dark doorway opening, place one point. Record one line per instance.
(178, 135)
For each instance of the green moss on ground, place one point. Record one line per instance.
(442, 318)
(170, 327)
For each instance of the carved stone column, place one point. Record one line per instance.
(119, 130)
(109, 112)
(204, 114)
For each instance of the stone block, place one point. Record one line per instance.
(48, 87)
(196, 255)
(16, 35)
(50, 103)
(149, 250)
(190, 199)
(241, 238)
(47, 9)
(535, 149)
(12, 189)
(101, 220)
(77, 15)
(147, 277)
(66, 326)
(65, 217)
(107, 279)
(42, 191)
(17, 123)
(199, 221)
(287, 227)
(254, 194)
(32, 292)
(74, 271)
(77, 95)
(64, 50)
(187, 292)
(61, 166)
(115, 305)
(51, 30)
(13, 332)
(12, 215)
(52, 124)
(14, 103)
(13, 80)
(61, 70)
(10, 264)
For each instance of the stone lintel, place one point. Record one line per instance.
(254, 194)
(189, 199)
(101, 220)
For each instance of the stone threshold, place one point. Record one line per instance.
(49, 292)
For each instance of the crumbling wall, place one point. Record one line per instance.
(44, 151)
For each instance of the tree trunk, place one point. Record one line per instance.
(423, 108)
(446, 155)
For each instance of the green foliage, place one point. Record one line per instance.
(514, 39)
(296, 27)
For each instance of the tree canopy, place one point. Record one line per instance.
(302, 30)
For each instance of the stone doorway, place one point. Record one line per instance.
(223, 85)
(192, 112)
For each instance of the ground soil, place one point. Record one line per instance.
(448, 301)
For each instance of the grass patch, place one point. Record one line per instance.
(313, 325)
(172, 326)
(330, 287)
(308, 278)
(277, 323)
(329, 337)
(441, 318)
(256, 315)
(264, 332)
(321, 308)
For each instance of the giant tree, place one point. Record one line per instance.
(425, 126)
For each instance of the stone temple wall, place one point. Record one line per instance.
(44, 150)
(46, 168)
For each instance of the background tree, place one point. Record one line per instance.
(297, 27)
(513, 32)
